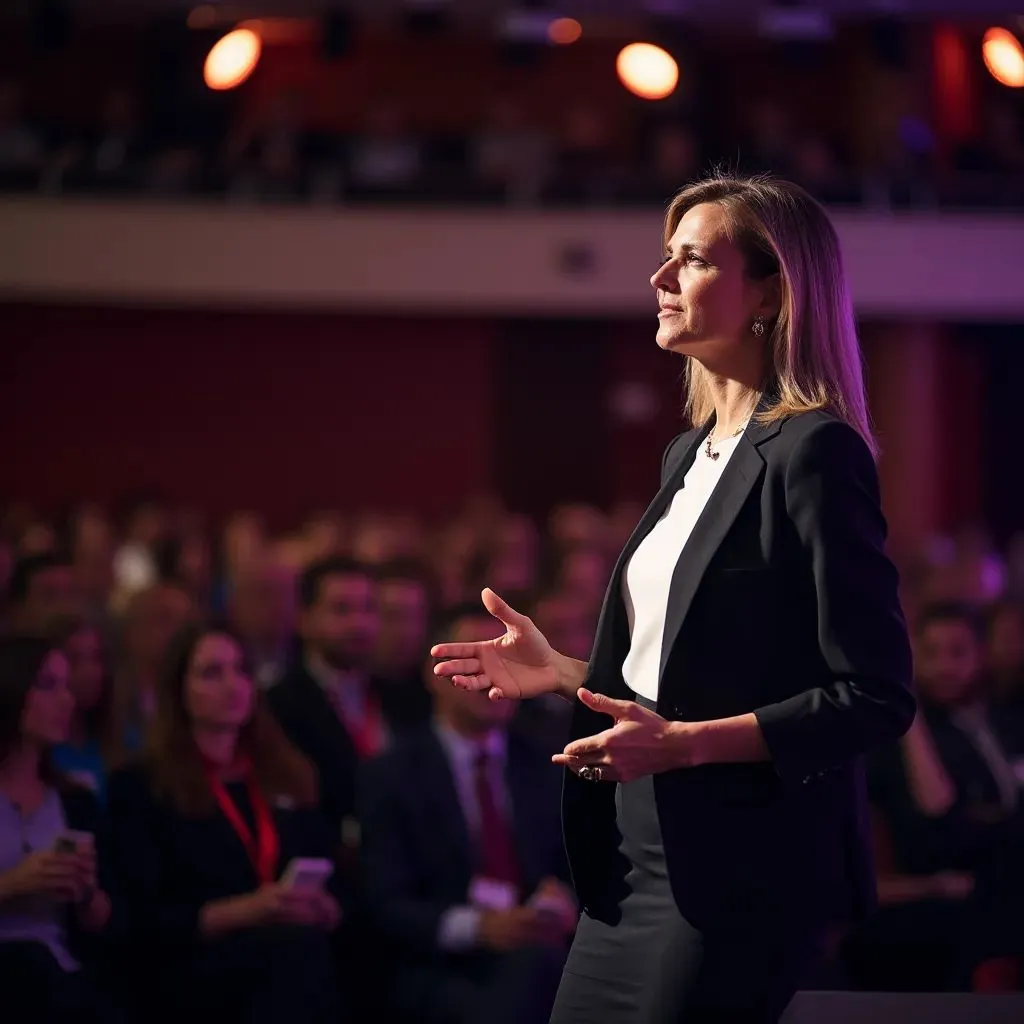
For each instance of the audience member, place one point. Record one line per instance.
(200, 833)
(330, 705)
(405, 606)
(152, 617)
(462, 861)
(42, 588)
(50, 903)
(262, 608)
(91, 747)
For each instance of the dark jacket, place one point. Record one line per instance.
(784, 604)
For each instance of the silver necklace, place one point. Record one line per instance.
(713, 455)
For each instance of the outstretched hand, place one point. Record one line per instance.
(517, 665)
(638, 743)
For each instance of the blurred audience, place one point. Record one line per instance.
(462, 864)
(201, 831)
(51, 907)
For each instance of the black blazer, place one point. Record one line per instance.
(162, 866)
(783, 603)
(417, 859)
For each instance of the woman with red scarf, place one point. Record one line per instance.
(201, 831)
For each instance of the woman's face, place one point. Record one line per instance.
(218, 691)
(85, 668)
(708, 303)
(49, 704)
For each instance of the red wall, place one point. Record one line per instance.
(225, 410)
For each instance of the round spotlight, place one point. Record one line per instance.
(564, 31)
(647, 71)
(232, 59)
(1004, 57)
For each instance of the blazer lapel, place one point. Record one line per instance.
(611, 622)
(738, 478)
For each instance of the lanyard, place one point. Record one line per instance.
(264, 848)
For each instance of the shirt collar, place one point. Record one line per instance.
(464, 751)
(331, 679)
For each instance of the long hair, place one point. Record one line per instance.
(21, 661)
(174, 761)
(99, 720)
(816, 361)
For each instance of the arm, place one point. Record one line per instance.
(833, 501)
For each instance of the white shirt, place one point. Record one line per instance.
(648, 575)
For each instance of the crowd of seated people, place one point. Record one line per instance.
(506, 157)
(192, 725)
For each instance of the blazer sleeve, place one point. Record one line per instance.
(141, 894)
(388, 869)
(833, 501)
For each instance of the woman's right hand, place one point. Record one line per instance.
(45, 873)
(283, 904)
(518, 665)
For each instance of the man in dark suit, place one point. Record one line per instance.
(329, 704)
(462, 862)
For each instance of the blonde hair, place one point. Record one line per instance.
(816, 360)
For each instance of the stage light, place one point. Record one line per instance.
(647, 71)
(564, 31)
(1004, 57)
(232, 59)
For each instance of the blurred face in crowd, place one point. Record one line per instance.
(470, 712)
(708, 300)
(244, 541)
(149, 524)
(219, 693)
(153, 618)
(342, 623)
(949, 661)
(51, 593)
(404, 619)
(86, 671)
(263, 604)
(195, 563)
(49, 705)
(1006, 641)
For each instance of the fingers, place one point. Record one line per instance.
(480, 682)
(501, 609)
(458, 667)
(607, 705)
(589, 746)
(456, 650)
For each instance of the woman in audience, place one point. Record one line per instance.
(49, 899)
(87, 755)
(200, 833)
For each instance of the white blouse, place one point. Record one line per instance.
(648, 575)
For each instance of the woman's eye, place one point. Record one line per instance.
(695, 260)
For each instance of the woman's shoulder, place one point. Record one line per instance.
(819, 436)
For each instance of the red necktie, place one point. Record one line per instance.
(497, 847)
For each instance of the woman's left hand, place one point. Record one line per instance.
(327, 909)
(94, 913)
(639, 743)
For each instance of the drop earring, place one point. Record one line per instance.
(758, 326)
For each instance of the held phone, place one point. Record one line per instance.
(72, 840)
(307, 873)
